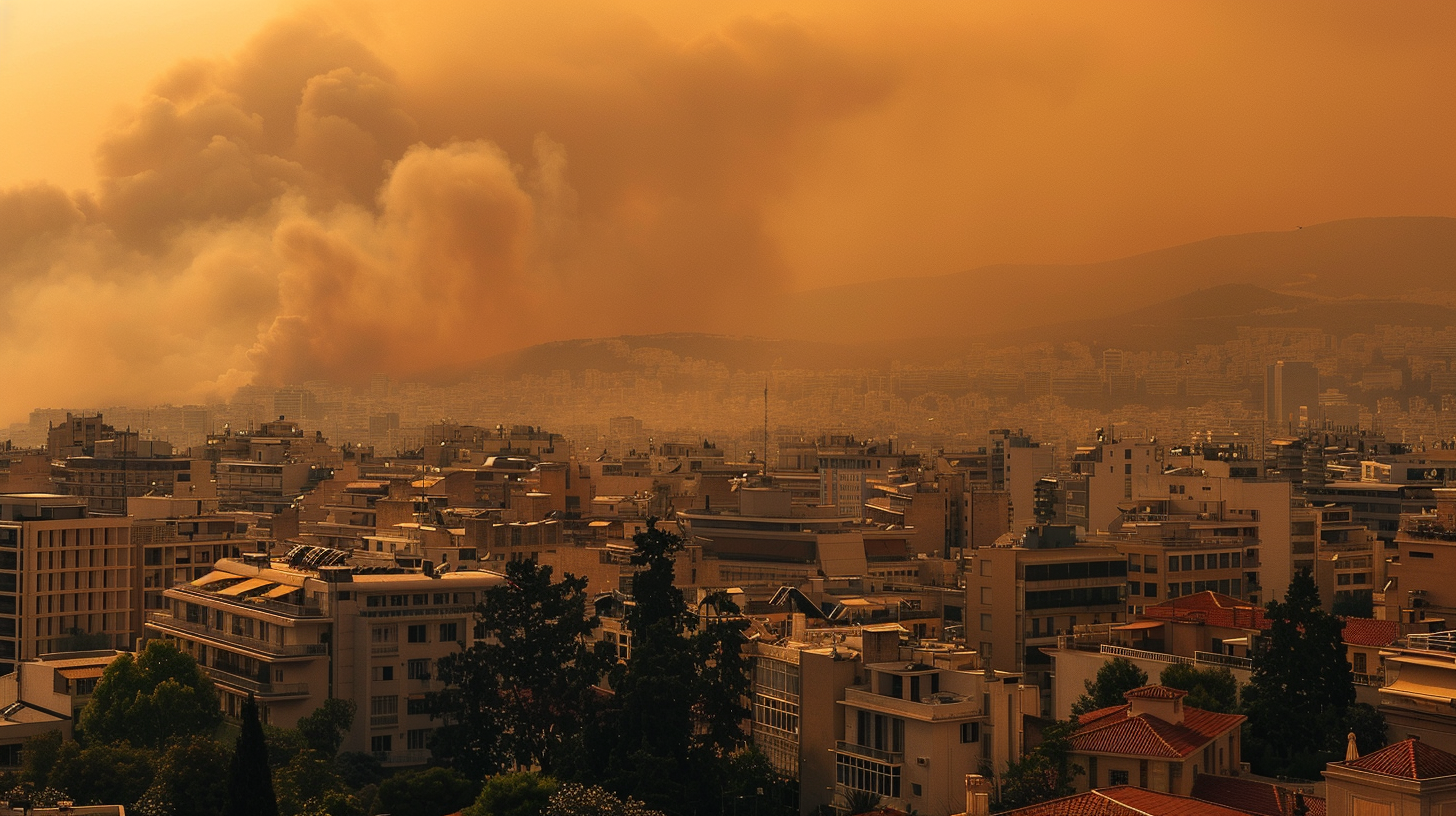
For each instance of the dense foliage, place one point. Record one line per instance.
(1301, 698)
(160, 695)
(1214, 689)
(1043, 773)
(1115, 678)
(250, 782)
(518, 696)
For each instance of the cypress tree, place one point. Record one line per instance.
(250, 785)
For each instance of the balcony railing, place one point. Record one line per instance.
(223, 677)
(376, 720)
(384, 648)
(1199, 658)
(266, 604)
(418, 756)
(887, 757)
(952, 709)
(166, 621)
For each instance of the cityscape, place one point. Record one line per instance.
(635, 410)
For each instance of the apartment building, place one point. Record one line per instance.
(46, 695)
(181, 538)
(919, 724)
(1024, 592)
(1419, 585)
(67, 578)
(125, 466)
(295, 630)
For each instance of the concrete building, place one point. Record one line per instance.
(916, 727)
(846, 466)
(1023, 593)
(46, 695)
(125, 466)
(67, 578)
(1419, 586)
(180, 539)
(296, 630)
(1291, 396)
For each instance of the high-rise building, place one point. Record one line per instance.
(1291, 396)
(67, 578)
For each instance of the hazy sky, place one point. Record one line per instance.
(236, 189)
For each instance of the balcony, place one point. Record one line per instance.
(165, 622)
(887, 757)
(263, 604)
(954, 706)
(378, 720)
(397, 759)
(223, 677)
(384, 649)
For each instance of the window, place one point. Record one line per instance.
(417, 739)
(1172, 563)
(1198, 561)
(985, 623)
(416, 705)
(382, 634)
(417, 633)
(449, 632)
(1150, 590)
(398, 600)
(374, 600)
(915, 789)
(383, 673)
(382, 744)
(971, 732)
(418, 670)
(986, 596)
(1134, 588)
(1223, 563)
(1419, 554)
(381, 706)
(1092, 772)
(1115, 778)
(1150, 563)
(1360, 662)
(421, 600)
(1134, 564)
(863, 774)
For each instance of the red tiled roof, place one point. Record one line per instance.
(1209, 608)
(1125, 800)
(1255, 797)
(1155, 693)
(1112, 731)
(1408, 759)
(1370, 632)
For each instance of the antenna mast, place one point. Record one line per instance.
(765, 425)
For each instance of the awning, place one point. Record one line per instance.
(1424, 683)
(1138, 625)
(238, 589)
(213, 577)
(280, 590)
(81, 672)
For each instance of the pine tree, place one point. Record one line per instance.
(1300, 690)
(1115, 678)
(250, 785)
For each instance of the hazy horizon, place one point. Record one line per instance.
(272, 192)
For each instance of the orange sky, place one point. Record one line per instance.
(291, 175)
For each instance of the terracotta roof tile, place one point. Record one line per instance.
(1114, 732)
(1370, 632)
(1407, 759)
(1209, 608)
(1253, 796)
(1155, 693)
(1125, 800)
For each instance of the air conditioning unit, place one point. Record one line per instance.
(922, 761)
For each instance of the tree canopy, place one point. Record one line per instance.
(160, 695)
(1044, 772)
(518, 696)
(1115, 678)
(1300, 695)
(1213, 689)
(324, 728)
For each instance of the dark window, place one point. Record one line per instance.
(448, 633)
(1115, 778)
(1419, 554)
(417, 633)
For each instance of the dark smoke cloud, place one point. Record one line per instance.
(300, 212)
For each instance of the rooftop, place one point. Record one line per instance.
(1407, 759)
(1125, 800)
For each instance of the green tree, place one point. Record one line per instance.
(753, 786)
(1213, 689)
(308, 783)
(323, 730)
(250, 781)
(582, 800)
(158, 696)
(1357, 604)
(429, 792)
(524, 793)
(1115, 678)
(38, 757)
(1044, 772)
(1300, 690)
(103, 774)
(358, 769)
(518, 696)
(191, 780)
(651, 753)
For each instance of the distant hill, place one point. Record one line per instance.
(1376, 258)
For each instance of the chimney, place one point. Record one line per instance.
(978, 795)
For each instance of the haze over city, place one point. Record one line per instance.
(273, 193)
